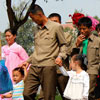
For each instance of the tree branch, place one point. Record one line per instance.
(11, 14)
(14, 23)
(23, 11)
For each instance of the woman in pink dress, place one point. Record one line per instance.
(13, 53)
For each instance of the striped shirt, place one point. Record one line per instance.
(18, 91)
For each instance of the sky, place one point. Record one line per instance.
(64, 8)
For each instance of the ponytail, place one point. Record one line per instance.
(82, 60)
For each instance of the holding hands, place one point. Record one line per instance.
(24, 64)
(58, 61)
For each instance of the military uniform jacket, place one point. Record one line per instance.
(49, 43)
(93, 54)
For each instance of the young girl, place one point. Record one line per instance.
(78, 84)
(19, 74)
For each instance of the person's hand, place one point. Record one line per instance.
(58, 61)
(2, 96)
(24, 68)
(80, 39)
(25, 72)
(24, 64)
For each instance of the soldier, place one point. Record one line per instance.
(49, 39)
(61, 79)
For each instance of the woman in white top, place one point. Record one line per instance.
(78, 84)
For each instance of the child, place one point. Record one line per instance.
(78, 84)
(19, 74)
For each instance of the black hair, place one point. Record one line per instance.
(98, 27)
(55, 15)
(85, 21)
(82, 59)
(34, 8)
(19, 69)
(12, 31)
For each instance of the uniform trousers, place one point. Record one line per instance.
(93, 80)
(44, 76)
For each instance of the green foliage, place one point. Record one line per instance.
(73, 32)
(78, 11)
(3, 41)
(25, 36)
(96, 17)
(57, 97)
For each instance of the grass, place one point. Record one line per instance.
(58, 97)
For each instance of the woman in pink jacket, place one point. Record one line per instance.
(13, 53)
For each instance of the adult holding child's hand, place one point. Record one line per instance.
(58, 61)
(24, 64)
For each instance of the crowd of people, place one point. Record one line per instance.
(56, 62)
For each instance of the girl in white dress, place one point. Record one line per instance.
(78, 84)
